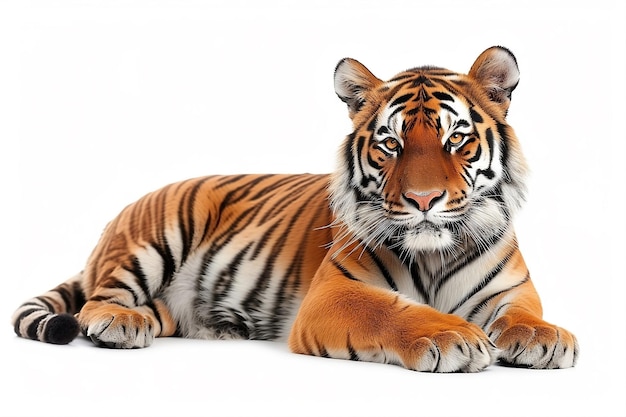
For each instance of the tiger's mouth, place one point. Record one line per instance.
(427, 236)
(428, 227)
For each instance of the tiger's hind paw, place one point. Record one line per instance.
(117, 327)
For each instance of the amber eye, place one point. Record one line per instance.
(456, 138)
(391, 144)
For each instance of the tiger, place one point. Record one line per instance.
(406, 254)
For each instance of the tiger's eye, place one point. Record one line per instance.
(391, 144)
(456, 138)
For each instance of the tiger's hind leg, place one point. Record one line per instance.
(114, 325)
(122, 311)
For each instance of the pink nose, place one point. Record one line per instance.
(425, 200)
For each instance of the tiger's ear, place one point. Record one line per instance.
(353, 82)
(496, 69)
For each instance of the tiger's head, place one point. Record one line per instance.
(431, 165)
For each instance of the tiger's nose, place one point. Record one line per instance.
(424, 201)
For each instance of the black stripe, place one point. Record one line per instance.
(438, 357)
(402, 77)
(371, 125)
(241, 191)
(450, 109)
(486, 300)
(476, 117)
(261, 241)
(230, 179)
(393, 113)
(31, 332)
(236, 226)
(462, 123)
(207, 228)
(79, 297)
(344, 271)
(296, 190)
(492, 317)
(66, 295)
(360, 143)
(154, 309)
(224, 281)
(162, 246)
(467, 177)
(274, 185)
(107, 299)
(486, 280)
(184, 217)
(504, 149)
(142, 279)
(187, 217)
(22, 316)
(382, 268)
(321, 349)
(347, 154)
(306, 346)
(119, 285)
(443, 96)
(169, 264)
(417, 282)
(487, 173)
(373, 163)
(353, 355)
(477, 155)
(402, 99)
(34, 304)
(383, 130)
(45, 302)
(489, 138)
(421, 79)
(450, 85)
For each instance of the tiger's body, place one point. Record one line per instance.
(406, 254)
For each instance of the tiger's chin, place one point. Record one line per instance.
(427, 238)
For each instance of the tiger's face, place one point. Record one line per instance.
(431, 163)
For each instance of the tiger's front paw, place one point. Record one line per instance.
(533, 344)
(461, 348)
(117, 327)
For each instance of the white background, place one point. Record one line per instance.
(102, 101)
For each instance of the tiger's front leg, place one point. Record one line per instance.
(524, 338)
(342, 317)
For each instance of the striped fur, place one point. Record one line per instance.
(406, 254)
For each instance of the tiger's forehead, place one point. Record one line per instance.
(429, 96)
